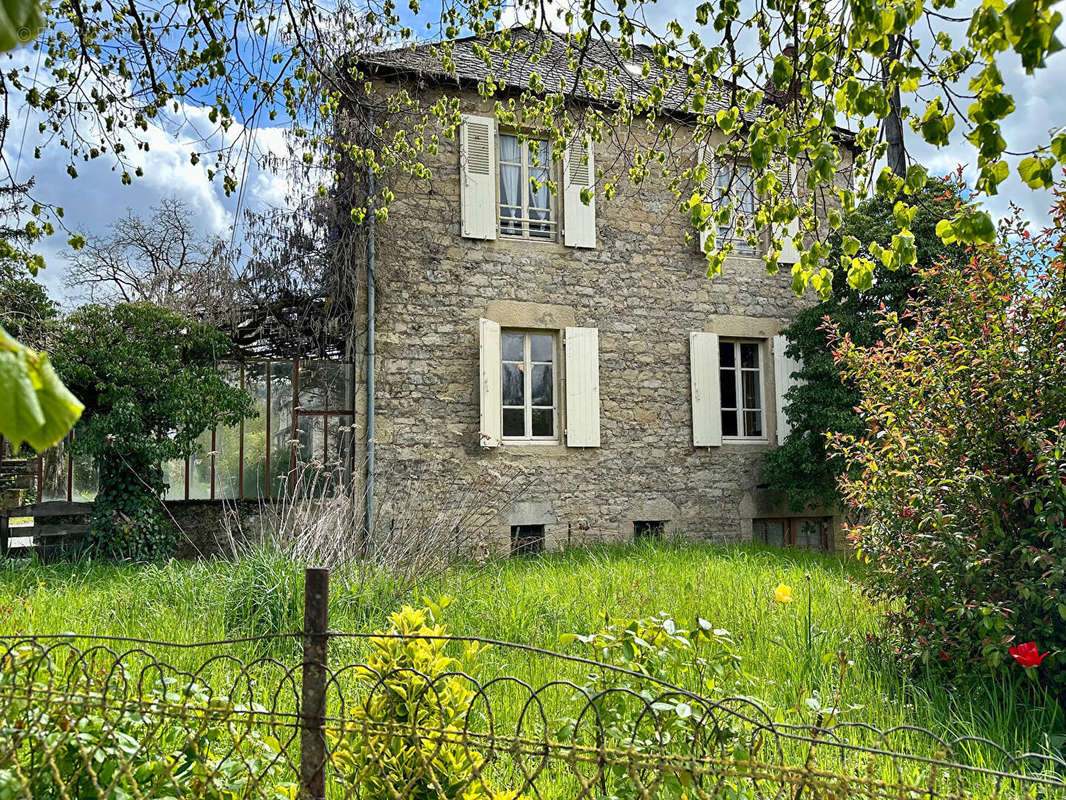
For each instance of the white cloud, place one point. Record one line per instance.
(97, 197)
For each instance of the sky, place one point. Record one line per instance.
(97, 198)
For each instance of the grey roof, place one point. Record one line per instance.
(514, 68)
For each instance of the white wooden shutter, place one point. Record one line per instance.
(706, 390)
(579, 220)
(784, 370)
(582, 387)
(491, 389)
(789, 253)
(477, 167)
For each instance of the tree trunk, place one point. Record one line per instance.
(893, 123)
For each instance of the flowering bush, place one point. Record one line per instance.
(959, 481)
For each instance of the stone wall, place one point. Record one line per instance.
(644, 288)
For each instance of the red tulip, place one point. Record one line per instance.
(1028, 654)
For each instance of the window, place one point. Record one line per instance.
(529, 386)
(525, 199)
(810, 533)
(734, 182)
(304, 415)
(649, 529)
(740, 376)
(527, 539)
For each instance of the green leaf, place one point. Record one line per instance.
(35, 406)
(20, 22)
(1037, 172)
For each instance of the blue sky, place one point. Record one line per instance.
(97, 198)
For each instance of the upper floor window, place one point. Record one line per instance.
(740, 368)
(734, 182)
(529, 386)
(526, 203)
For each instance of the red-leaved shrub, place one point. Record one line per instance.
(958, 484)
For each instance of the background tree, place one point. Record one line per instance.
(150, 382)
(822, 401)
(959, 469)
(164, 260)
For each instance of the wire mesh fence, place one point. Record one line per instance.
(103, 717)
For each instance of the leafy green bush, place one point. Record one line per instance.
(150, 382)
(960, 476)
(407, 736)
(172, 740)
(821, 401)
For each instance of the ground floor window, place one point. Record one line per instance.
(529, 389)
(741, 383)
(810, 533)
(527, 539)
(649, 529)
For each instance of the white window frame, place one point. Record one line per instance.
(527, 394)
(552, 222)
(725, 187)
(738, 371)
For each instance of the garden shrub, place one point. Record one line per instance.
(406, 736)
(959, 479)
(820, 400)
(85, 742)
(647, 717)
(150, 381)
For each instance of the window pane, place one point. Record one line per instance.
(770, 531)
(514, 385)
(339, 450)
(729, 423)
(324, 385)
(512, 347)
(280, 425)
(749, 354)
(54, 469)
(543, 422)
(174, 475)
(541, 385)
(310, 455)
(227, 462)
(752, 396)
(509, 150)
(540, 347)
(255, 428)
(85, 479)
(539, 194)
(727, 378)
(514, 422)
(538, 153)
(200, 468)
(725, 354)
(753, 423)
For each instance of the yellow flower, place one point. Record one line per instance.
(783, 593)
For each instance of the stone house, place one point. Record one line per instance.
(520, 329)
(518, 332)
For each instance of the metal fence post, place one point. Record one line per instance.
(313, 694)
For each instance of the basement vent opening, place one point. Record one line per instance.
(649, 529)
(527, 539)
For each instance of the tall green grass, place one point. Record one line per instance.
(535, 600)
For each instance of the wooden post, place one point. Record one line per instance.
(5, 532)
(313, 695)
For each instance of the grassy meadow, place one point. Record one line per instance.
(534, 601)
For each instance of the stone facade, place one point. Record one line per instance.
(643, 287)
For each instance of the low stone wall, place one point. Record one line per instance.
(213, 528)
